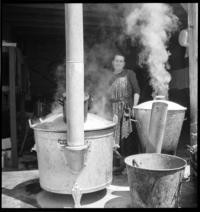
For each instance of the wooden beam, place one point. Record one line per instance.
(88, 9)
(20, 80)
(51, 31)
(37, 6)
(60, 6)
(39, 31)
(12, 95)
(12, 11)
(28, 20)
(42, 25)
(8, 44)
(193, 66)
(8, 9)
(32, 19)
(52, 24)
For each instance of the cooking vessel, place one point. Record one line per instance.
(174, 122)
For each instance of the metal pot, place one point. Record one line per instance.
(175, 117)
(55, 169)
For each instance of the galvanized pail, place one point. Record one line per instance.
(155, 179)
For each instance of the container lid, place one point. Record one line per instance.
(171, 105)
(55, 123)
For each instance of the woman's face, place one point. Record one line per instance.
(118, 63)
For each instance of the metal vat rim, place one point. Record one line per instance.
(126, 160)
(63, 131)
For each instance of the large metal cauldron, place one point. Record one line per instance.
(175, 117)
(56, 170)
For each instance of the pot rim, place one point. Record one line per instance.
(37, 126)
(142, 105)
(130, 158)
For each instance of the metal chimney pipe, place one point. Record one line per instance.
(74, 74)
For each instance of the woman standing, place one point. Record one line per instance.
(124, 93)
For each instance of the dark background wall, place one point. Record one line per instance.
(44, 53)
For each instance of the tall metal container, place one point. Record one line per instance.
(174, 122)
(55, 171)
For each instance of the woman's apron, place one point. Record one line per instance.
(119, 97)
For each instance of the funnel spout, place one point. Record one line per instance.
(157, 127)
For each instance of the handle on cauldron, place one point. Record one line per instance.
(134, 163)
(33, 125)
(62, 142)
(30, 124)
(61, 101)
(134, 120)
(186, 175)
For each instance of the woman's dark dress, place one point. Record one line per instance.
(121, 95)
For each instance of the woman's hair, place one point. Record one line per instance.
(120, 54)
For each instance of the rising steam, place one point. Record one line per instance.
(150, 24)
(98, 75)
(153, 24)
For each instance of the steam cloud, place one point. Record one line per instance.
(97, 75)
(60, 79)
(150, 23)
(153, 24)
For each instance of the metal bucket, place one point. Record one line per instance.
(155, 179)
(55, 171)
(174, 122)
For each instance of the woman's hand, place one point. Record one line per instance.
(132, 113)
(115, 118)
